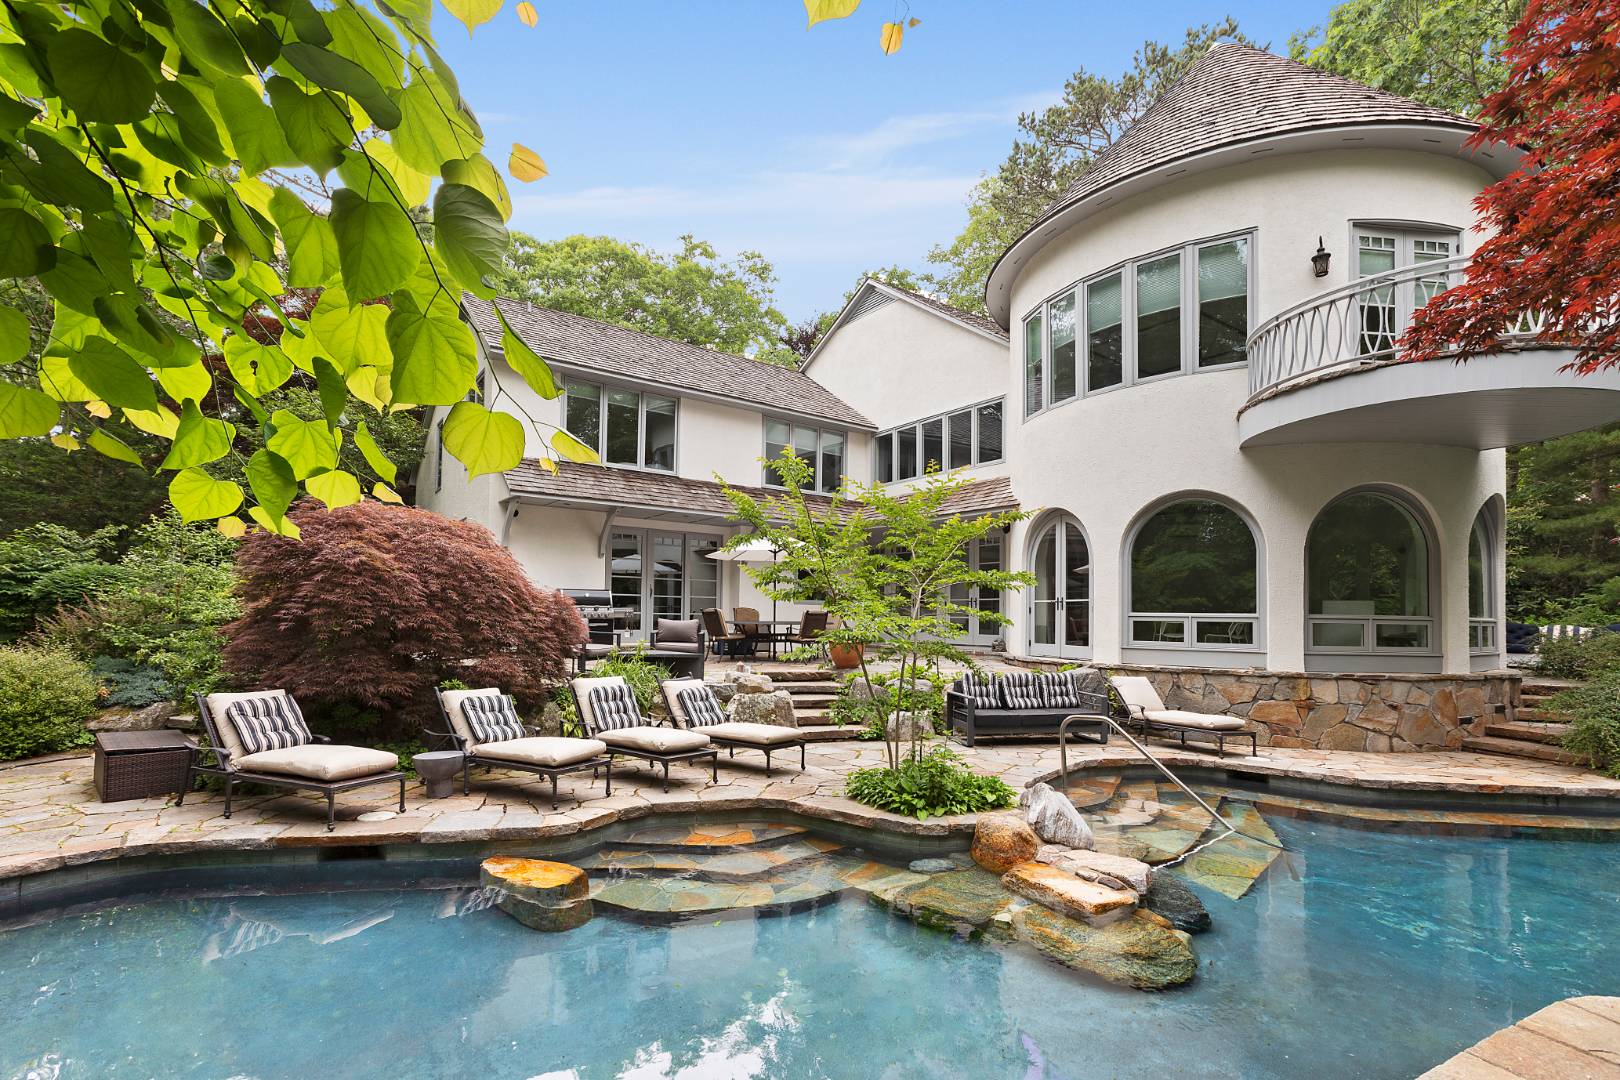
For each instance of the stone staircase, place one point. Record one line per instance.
(1535, 732)
(813, 690)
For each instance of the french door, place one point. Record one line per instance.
(1386, 310)
(662, 575)
(1060, 603)
(985, 554)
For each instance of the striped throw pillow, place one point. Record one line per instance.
(268, 722)
(1020, 690)
(491, 718)
(612, 708)
(980, 688)
(1058, 690)
(701, 707)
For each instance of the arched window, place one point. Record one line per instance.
(1194, 578)
(1060, 602)
(1481, 585)
(1367, 559)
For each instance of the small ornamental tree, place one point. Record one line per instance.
(1556, 248)
(381, 603)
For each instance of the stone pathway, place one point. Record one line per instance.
(1574, 1039)
(49, 816)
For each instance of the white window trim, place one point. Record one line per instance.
(604, 388)
(1486, 623)
(769, 478)
(1257, 617)
(1370, 623)
(944, 418)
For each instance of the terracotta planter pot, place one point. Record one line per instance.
(844, 657)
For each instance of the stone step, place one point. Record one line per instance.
(812, 717)
(1537, 716)
(733, 865)
(1537, 687)
(1550, 733)
(1521, 749)
(812, 701)
(785, 674)
(810, 689)
(788, 890)
(829, 732)
(719, 836)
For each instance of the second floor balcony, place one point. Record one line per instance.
(1330, 370)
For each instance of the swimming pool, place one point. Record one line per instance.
(1357, 954)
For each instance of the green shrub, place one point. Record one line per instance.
(642, 674)
(1594, 728)
(1585, 657)
(873, 713)
(930, 786)
(45, 698)
(43, 566)
(130, 685)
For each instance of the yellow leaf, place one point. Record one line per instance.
(548, 465)
(527, 13)
(892, 32)
(233, 527)
(820, 10)
(473, 13)
(98, 409)
(66, 442)
(160, 421)
(383, 493)
(914, 22)
(525, 164)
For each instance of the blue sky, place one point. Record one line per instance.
(730, 121)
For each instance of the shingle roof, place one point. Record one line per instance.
(660, 491)
(580, 342)
(1234, 94)
(982, 323)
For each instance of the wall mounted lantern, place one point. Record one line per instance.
(1319, 261)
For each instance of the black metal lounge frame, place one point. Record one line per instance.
(733, 745)
(653, 756)
(469, 755)
(232, 777)
(963, 717)
(1129, 715)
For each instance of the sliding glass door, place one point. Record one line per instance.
(662, 575)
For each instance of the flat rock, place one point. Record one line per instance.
(1054, 818)
(536, 880)
(1089, 901)
(765, 707)
(752, 684)
(1136, 952)
(1002, 841)
(931, 866)
(1098, 865)
(1170, 897)
(962, 898)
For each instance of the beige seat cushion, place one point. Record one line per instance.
(757, 734)
(552, 753)
(1202, 721)
(655, 740)
(324, 763)
(1138, 693)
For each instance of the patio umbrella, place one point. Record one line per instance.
(755, 551)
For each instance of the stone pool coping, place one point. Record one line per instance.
(1576, 1037)
(50, 819)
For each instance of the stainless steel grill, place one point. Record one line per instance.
(595, 606)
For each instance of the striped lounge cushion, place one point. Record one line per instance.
(980, 688)
(268, 722)
(614, 707)
(701, 707)
(491, 718)
(1020, 690)
(1058, 690)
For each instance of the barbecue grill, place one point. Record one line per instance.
(601, 617)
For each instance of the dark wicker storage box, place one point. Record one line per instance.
(140, 764)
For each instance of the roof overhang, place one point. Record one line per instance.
(1498, 160)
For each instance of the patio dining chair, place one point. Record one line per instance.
(693, 705)
(722, 642)
(608, 712)
(812, 625)
(484, 726)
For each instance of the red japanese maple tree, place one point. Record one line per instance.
(1556, 248)
(377, 604)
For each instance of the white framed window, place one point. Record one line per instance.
(1481, 585)
(1386, 311)
(958, 439)
(627, 428)
(822, 449)
(1367, 568)
(1172, 312)
(1194, 579)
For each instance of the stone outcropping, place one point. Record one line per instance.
(151, 718)
(1169, 897)
(774, 707)
(1054, 818)
(1380, 712)
(1089, 901)
(1002, 841)
(1139, 951)
(549, 896)
(1115, 871)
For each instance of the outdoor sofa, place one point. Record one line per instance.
(979, 704)
(693, 706)
(1144, 708)
(261, 738)
(608, 712)
(484, 726)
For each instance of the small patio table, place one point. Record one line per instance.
(772, 635)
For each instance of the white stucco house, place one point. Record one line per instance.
(1188, 377)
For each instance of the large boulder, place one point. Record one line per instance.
(1138, 951)
(542, 895)
(1098, 866)
(752, 684)
(1089, 901)
(1054, 818)
(962, 900)
(775, 707)
(909, 727)
(1002, 841)
(151, 718)
(1170, 897)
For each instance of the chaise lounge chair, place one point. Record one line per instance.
(608, 712)
(484, 726)
(692, 705)
(261, 738)
(1144, 708)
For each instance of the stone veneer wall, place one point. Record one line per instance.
(1387, 712)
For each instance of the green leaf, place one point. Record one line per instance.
(58, 380)
(25, 412)
(274, 523)
(259, 368)
(254, 132)
(206, 41)
(306, 445)
(272, 481)
(377, 245)
(478, 172)
(109, 445)
(373, 453)
(469, 235)
(334, 488)
(199, 497)
(13, 113)
(316, 129)
(112, 376)
(25, 245)
(474, 13)
(13, 335)
(191, 382)
(327, 69)
(98, 80)
(368, 41)
(526, 362)
(349, 336)
(60, 176)
(819, 10)
(435, 356)
(483, 440)
(312, 255)
(73, 280)
(199, 439)
(572, 449)
(434, 128)
(333, 393)
(192, 124)
(414, 186)
(230, 214)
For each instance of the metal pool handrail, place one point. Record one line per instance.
(1063, 764)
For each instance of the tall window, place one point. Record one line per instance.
(1064, 385)
(1194, 578)
(1158, 317)
(1105, 338)
(624, 427)
(1223, 302)
(822, 451)
(1367, 567)
(988, 440)
(1034, 379)
(1481, 586)
(953, 440)
(885, 457)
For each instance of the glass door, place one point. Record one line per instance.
(665, 583)
(985, 554)
(625, 576)
(1386, 310)
(1060, 603)
(658, 575)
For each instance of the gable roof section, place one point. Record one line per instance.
(585, 344)
(860, 302)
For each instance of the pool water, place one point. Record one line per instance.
(1357, 954)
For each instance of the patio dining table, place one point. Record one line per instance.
(773, 632)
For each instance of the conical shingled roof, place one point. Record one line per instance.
(1235, 94)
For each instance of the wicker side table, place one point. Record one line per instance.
(140, 764)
